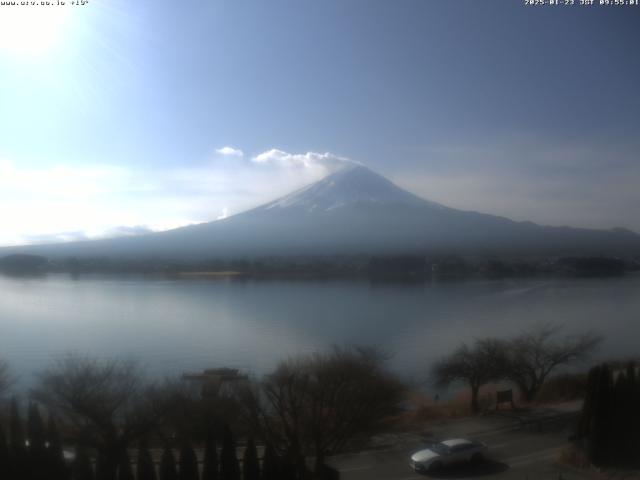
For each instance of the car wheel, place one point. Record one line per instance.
(477, 458)
(435, 466)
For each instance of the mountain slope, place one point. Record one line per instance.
(353, 184)
(354, 211)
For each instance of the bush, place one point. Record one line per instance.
(562, 388)
(609, 426)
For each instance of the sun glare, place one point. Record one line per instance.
(31, 30)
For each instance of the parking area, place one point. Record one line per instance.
(520, 447)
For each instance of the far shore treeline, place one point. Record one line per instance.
(413, 266)
(89, 418)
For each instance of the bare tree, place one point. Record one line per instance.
(475, 365)
(108, 403)
(317, 404)
(533, 355)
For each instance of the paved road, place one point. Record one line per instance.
(518, 450)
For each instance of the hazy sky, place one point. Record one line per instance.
(122, 115)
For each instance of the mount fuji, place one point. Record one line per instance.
(352, 211)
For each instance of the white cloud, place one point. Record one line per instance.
(224, 214)
(56, 237)
(127, 231)
(78, 235)
(280, 158)
(65, 202)
(230, 152)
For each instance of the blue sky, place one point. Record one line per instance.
(115, 115)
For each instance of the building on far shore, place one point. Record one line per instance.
(215, 381)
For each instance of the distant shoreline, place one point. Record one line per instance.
(206, 273)
(399, 267)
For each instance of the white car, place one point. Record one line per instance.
(446, 453)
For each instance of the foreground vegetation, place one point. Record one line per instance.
(525, 360)
(609, 428)
(310, 407)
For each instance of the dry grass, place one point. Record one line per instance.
(574, 456)
(563, 388)
(424, 408)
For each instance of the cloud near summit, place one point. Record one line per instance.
(230, 152)
(322, 162)
(280, 158)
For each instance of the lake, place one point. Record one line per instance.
(178, 325)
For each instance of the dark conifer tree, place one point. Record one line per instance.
(633, 382)
(250, 462)
(287, 469)
(270, 470)
(210, 463)
(188, 463)
(125, 472)
(631, 408)
(229, 468)
(585, 423)
(168, 470)
(82, 468)
(632, 374)
(35, 429)
(146, 470)
(103, 468)
(16, 432)
(55, 458)
(37, 459)
(17, 446)
(601, 446)
(610, 419)
(4, 455)
(619, 419)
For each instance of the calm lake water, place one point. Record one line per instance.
(173, 326)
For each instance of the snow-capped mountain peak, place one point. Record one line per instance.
(351, 185)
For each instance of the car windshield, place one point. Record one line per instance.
(440, 448)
